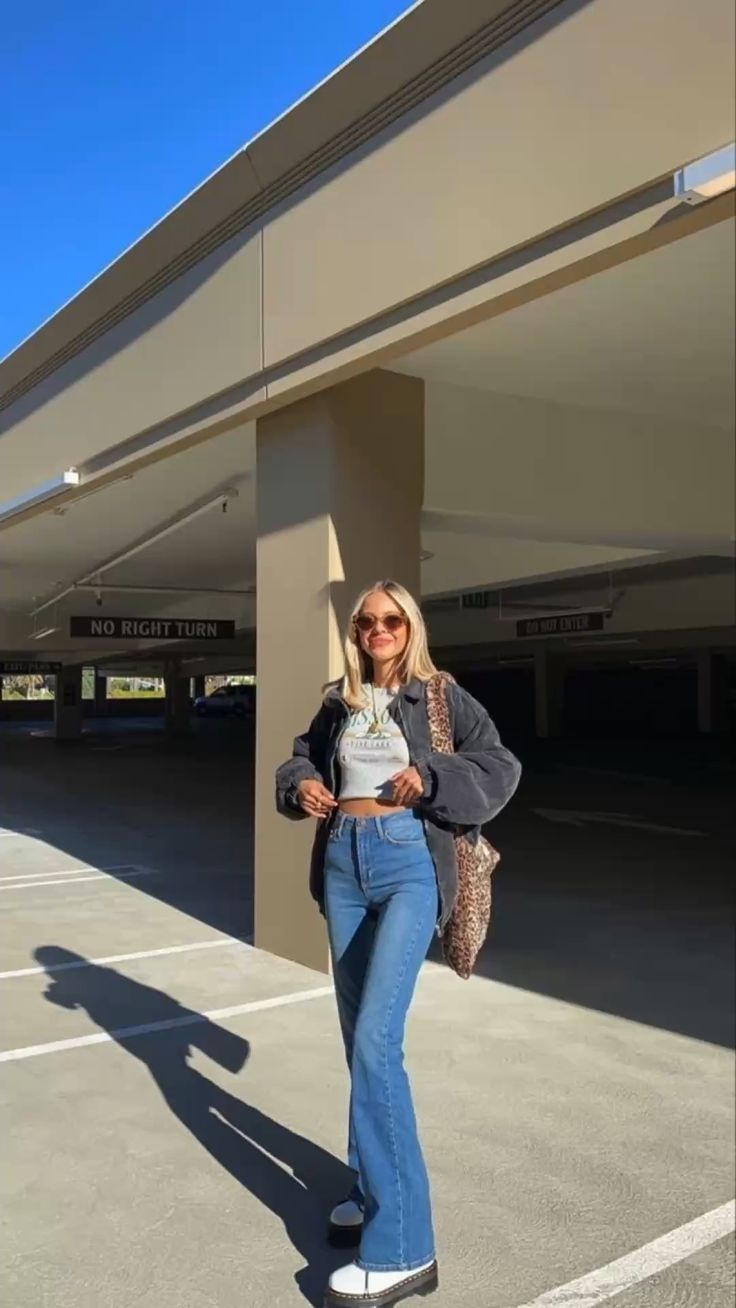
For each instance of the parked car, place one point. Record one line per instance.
(232, 700)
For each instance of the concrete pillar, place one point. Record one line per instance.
(177, 704)
(199, 687)
(340, 479)
(712, 692)
(68, 704)
(100, 695)
(549, 684)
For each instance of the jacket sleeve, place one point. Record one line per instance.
(471, 786)
(306, 763)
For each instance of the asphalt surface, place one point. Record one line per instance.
(575, 1098)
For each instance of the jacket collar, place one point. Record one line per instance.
(413, 690)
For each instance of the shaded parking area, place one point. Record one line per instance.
(178, 1098)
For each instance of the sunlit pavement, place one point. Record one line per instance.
(575, 1098)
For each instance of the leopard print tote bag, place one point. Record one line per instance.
(464, 934)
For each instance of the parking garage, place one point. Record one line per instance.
(321, 367)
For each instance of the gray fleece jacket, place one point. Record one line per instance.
(465, 789)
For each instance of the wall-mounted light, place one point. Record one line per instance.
(39, 494)
(40, 635)
(708, 177)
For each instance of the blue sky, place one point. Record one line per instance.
(112, 110)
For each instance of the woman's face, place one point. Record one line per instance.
(382, 628)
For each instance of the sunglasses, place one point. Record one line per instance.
(393, 622)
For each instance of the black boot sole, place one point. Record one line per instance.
(420, 1283)
(344, 1237)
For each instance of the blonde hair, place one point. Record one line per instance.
(415, 661)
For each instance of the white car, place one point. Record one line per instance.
(232, 701)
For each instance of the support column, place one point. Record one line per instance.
(199, 687)
(712, 701)
(68, 704)
(100, 695)
(340, 480)
(549, 687)
(177, 704)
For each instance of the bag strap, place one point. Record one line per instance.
(438, 713)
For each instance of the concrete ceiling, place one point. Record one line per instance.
(43, 555)
(655, 335)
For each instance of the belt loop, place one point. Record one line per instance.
(379, 826)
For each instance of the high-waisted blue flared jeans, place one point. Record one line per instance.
(381, 906)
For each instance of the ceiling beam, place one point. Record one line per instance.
(517, 527)
(106, 588)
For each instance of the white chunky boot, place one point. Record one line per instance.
(353, 1287)
(346, 1225)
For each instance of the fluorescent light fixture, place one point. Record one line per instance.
(591, 643)
(546, 610)
(654, 663)
(708, 177)
(46, 631)
(39, 494)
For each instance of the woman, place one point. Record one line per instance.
(383, 873)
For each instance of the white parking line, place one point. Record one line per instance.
(6, 832)
(64, 872)
(149, 1028)
(125, 958)
(616, 1277)
(112, 877)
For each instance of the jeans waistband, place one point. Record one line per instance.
(346, 821)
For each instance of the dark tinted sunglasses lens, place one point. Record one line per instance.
(394, 622)
(364, 623)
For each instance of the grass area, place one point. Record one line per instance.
(116, 693)
(16, 696)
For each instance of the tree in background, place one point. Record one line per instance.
(26, 687)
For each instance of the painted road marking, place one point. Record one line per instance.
(64, 871)
(624, 1273)
(572, 818)
(125, 958)
(150, 1028)
(64, 878)
(6, 832)
(640, 778)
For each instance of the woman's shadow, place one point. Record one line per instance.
(234, 1133)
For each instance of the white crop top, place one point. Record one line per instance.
(372, 749)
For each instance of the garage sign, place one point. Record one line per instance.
(99, 628)
(562, 624)
(22, 667)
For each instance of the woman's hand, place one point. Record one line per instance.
(315, 799)
(408, 787)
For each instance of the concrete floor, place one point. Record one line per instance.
(575, 1097)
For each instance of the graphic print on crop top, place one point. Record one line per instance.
(369, 758)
